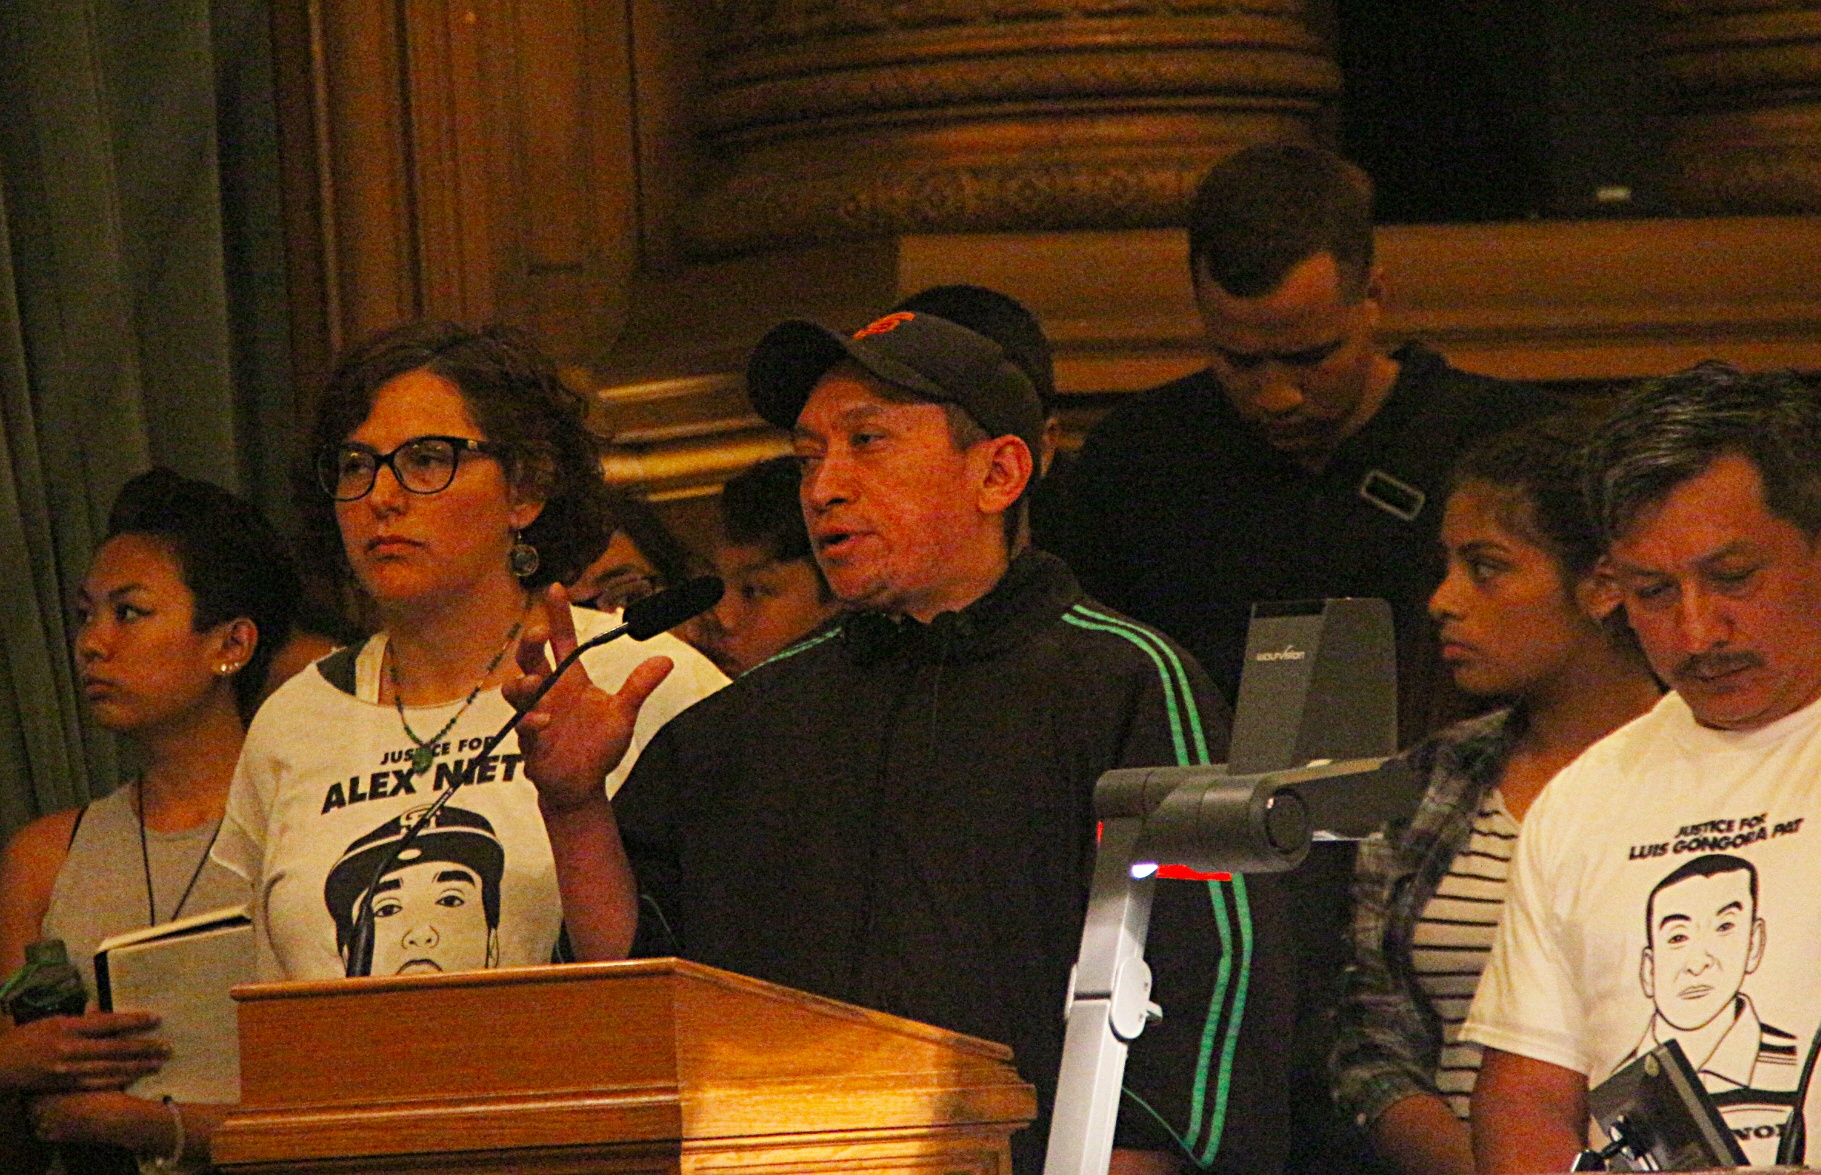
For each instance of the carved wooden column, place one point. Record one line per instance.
(831, 119)
(1745, 81)
(470, 159)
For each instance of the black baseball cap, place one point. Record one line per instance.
(1001, 318)
(930, 357)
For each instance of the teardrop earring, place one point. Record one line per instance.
(523, 558)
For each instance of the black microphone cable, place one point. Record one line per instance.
(644, 619)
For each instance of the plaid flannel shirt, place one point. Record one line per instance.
(1388, 1039)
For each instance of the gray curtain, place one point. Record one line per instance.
(141, 318)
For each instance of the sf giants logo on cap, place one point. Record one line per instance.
(890, 322)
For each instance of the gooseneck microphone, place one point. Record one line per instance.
(662, 612)
(643, 620)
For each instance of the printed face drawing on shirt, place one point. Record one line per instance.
(436, 907)
(1704, 937)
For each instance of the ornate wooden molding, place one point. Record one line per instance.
(744, 24)
(1745, 78)
(1242, 57)
(1115, 190)
(1532, 300)
(832, 121)
(681, 438)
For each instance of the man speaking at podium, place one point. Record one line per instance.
(897, 811)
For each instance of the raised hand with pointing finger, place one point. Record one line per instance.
(571, 740)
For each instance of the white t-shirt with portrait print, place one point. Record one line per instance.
(324, 788)
(1668, 885)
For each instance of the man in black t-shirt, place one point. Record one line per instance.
(1303, 462)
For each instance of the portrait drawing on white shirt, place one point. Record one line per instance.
(437, 906)
(1704, 938)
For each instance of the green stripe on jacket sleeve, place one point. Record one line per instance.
(1220, 1034)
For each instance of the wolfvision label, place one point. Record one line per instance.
(1287, 653)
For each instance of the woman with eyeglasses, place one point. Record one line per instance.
(177, 620)
(641, 558)
(456, 482)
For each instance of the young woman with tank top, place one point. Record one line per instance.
(1517, 612)
(177, 620)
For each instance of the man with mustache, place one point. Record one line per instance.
(1680, 838)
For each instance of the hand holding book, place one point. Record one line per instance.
(181, 971)
(100, 1050)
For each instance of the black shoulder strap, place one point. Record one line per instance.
(338, 667)
(77, 826)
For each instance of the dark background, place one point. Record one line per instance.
(1499, 109)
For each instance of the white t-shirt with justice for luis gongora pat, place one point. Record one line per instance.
(324, 790)
(1668, 886)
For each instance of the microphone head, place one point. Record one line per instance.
(648, 617)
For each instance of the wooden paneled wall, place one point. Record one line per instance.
(469, 159)
(648, 184)
(1555, 301)
(1745, 124)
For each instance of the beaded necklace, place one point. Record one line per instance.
(425, 749)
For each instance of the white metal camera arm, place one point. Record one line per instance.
(1195, 816)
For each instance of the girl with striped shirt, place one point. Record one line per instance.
(1517, 611)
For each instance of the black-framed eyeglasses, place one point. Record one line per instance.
(422, 465)
(628, 587)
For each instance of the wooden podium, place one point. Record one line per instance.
(654, 1065)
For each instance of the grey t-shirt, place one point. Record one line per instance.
(101, 889)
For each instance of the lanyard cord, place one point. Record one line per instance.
(145, 859)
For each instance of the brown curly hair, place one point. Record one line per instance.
(521, 404)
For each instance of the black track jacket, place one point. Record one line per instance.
(900, 816)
